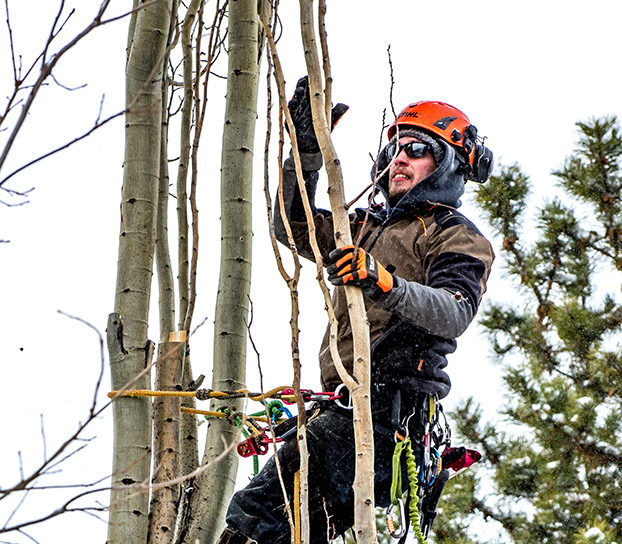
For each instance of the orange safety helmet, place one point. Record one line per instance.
(453, 126)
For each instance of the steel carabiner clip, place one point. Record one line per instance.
(403, 528)
(404, 427)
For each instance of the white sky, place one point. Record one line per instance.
(523, 72)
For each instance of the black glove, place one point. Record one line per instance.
(300, 110)
(363, 271)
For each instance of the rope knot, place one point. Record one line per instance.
(203, 394)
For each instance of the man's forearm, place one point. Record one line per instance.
(438, 310)
(294, 209)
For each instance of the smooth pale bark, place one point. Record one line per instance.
(348, 381)
(189, 434)
(166, 460)
(127, 334)
(166, 284)
(364, 513)
(212, 490)
(184, 162)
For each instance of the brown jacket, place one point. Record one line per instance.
(441, 263)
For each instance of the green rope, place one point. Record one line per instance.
(413, 509)
(396, 485)
(396, 482)
(274, 409)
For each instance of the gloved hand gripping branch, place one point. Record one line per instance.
(360, 270)
(300, 110)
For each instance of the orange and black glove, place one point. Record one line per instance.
(362, 270)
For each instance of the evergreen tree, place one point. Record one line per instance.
(555, 457)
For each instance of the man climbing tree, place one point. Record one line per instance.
(422, 267)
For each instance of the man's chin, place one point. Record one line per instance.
(400, 189)
(394, 196)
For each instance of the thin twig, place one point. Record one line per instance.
(12, 45)
(328, 79)
(392, 82)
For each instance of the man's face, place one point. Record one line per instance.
(405, 172)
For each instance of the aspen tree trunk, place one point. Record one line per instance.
(166, 284)
(213, 488)
(188, 426)
(364, 513)
(166, 459)
(127, 327)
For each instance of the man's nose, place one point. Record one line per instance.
(402, 157)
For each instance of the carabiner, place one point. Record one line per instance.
(290, 392)
(404, 425)
(403, 529)
(339, 395)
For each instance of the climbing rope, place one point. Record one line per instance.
(256, 439)
(221, 415)
(286, 394)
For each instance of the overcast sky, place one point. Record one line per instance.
(523, 72)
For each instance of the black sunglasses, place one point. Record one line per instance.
(414, 150)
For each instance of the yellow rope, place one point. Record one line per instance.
(203, 412)
(221, 415)
(211, 394)
(297, 507)
(148, 393)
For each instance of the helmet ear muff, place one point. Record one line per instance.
(483, 163)
(482, 159)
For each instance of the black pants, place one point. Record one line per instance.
(258, 510)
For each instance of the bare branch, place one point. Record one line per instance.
(363, 481)
(63, 509)
(67, 88)
(46, 70)
(61, 148)
(44, 443)
(10, 29)
(392, 83)
(277, 462)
